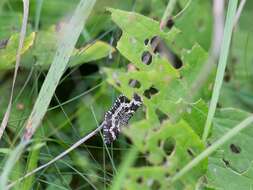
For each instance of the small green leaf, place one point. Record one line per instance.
(8, 53)
(233, 161)
(90, 52)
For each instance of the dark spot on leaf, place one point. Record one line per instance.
(168, 146)
(3, 43)
(208, 143)
(150, 92)
(155, 185)
(201, 25)
(227, 78)
(190, 152)
(235, 149)
(164, 160)
(134, 83)
(227, 75)
(161, 115)
(234, 60)
(167, 174)
(139, 180)
(118, 83)
(146, 58)
(169, 23)
(159, 143)
(219, 105)
(146, 42)
(226, 162)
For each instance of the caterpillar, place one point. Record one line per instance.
(119, 115)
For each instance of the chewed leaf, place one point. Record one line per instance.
(161, 84)
(233, 161)
(9, 50)
(171, 147)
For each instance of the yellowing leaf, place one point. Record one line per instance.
(8, 53)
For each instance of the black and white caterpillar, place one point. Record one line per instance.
(119, 115)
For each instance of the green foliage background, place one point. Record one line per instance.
(164, 135)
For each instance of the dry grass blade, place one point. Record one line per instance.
(69, 38)
(18, 57)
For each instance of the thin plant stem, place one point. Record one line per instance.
(167, 13)
(221, 66)
(78, 143)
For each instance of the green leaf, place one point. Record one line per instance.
(233, 161)
(8, 53)
(168, 149)
(195, 116)
(90, 52)
(171, 85)
(46, 44)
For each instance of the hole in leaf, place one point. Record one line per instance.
(146, 42)
(155, 185)
(168, 146)
(226, 162)
(116, 79)
(227, 75)
(161, 115)
(139, 180)
(167, 174)
(146, 58)
(169, 23)
(219, 105)
(134, 83)
(234, 60)
(190, 152)
(177, 62)
(201, 25)
(235, 149)
(150, 92)
(164, 160)
(3, 43)
(118, 83)
(159, 46)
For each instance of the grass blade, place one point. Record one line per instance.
(14, 155)
(70, 36)
(221, 66)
